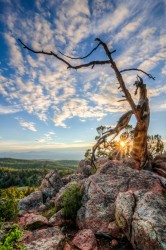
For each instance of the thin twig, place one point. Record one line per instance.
(149, 75)
(83, 56)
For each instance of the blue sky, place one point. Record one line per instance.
(44, 105)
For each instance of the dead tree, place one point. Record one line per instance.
(141, 111)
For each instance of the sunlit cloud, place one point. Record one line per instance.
(15, 55)
(47, 138)
(26, 125)
(77, 108)
(9, 109)
(128, 29)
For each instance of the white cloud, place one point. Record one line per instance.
(26, 125)
(15, 56)
(77, 108)
(164, 70)
(152, 92)
(42, 140)
(4, 110)
(128, 29)
(110, 21)
(151, 62)
(47, 138)
(100, 6)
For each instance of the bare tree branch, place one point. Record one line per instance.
(45, 53)
(83, 56)
(93, 63)
(69, 66)
(149, 75)
(75, 58)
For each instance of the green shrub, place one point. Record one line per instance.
(71, 201)
(8, 209)
(9, 199)
(11, 240)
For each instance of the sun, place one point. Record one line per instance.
(122, 144)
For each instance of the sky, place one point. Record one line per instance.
(45, 107)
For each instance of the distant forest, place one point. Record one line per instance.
(20, 173)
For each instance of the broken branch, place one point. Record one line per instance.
(149, 75)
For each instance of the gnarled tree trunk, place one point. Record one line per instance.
(139, 150)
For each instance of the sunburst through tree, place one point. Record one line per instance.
(122, 147)
(114, 149)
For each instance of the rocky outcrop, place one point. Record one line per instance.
(57, 219)
(51, 180)
(50, 238)
(141, 215)
(32, 221)
(50, 185)
(85, 240)
(85, 168)
(72, 177)
(102, 189)
(101, 161)
(159, 165)
(117, 200)
(32, 201)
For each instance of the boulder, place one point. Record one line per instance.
(32, 221)
(85, 240)
(159, 165)
(51, 180)
(50, 185)
(31, 201)
(50, 238)
(141, 215)
(72, 177)
(57, 219)
(85, 168)
(102, 189)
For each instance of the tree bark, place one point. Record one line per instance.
(139, 150)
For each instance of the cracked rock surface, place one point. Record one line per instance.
(137, 198)
(144, 222)
(49, 238)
